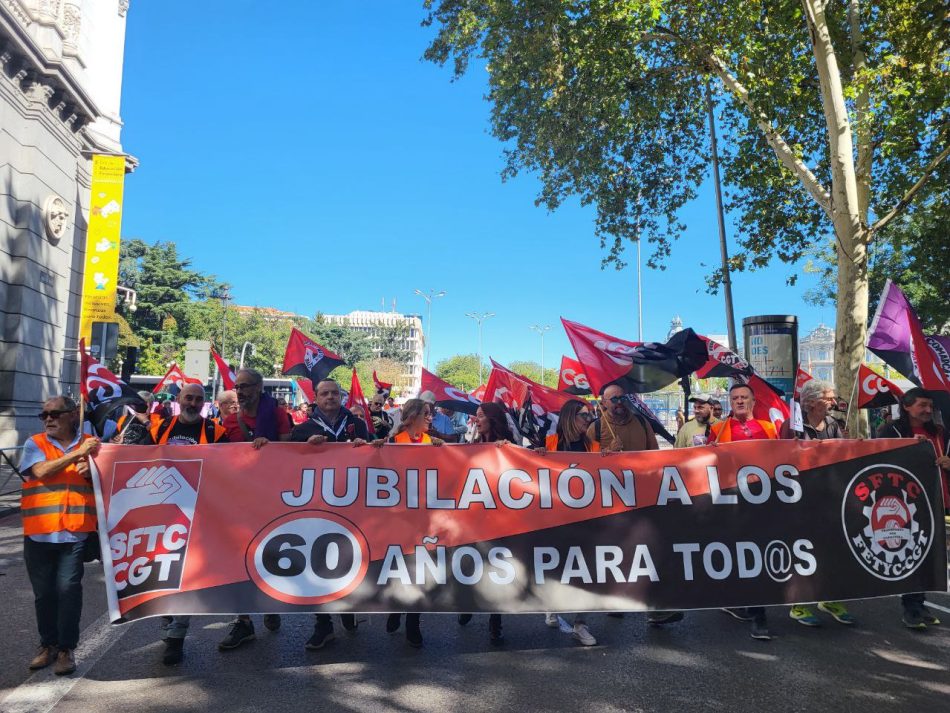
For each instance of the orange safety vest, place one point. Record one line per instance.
(722, 431)
(551, 443)
(161, 430)
(403, 437)
(61, 501)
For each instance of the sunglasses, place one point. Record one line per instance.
(617, 399)
(53, 414)
(584, 415)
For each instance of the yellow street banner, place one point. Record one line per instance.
(101, 270)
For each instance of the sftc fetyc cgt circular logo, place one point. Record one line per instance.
(887, 521)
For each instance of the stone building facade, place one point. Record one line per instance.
(60, 87)
(414, 342)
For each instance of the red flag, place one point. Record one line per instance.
(381, 386)
(174, 378)
(572, 378)
(228, 376)
(304, 357)
(511, 389)
(307, 388)
(635, 367)
(447, 395)
(356, 398)
(479, 392)
(801, 378)
(769, 405)
(721, 361)
(874, 390)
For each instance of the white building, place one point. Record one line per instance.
(816, 353)
(370, 322)
(60, 86)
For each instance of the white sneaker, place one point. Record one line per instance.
(551, 620)
(583, 636)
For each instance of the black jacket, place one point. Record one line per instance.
(346, 427)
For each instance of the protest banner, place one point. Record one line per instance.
(291, 527)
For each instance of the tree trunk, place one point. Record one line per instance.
(850, 231)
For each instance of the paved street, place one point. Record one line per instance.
(707, 662)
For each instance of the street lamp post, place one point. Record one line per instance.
(479, 318)
(428, 297)
(225, 296)
(253, 352)
(541, 331)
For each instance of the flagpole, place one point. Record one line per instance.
(854, 391)
(82, 398)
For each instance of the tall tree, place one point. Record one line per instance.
(835, 117)
(461, 371)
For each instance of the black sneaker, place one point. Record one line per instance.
(272, 622)
(464, 619)
(174, 652)
(321, 637)
(760, 631)
(659, 618)
(413, 633)
(742, 614)
(392, 623)
(240, 632)
(349, 622)
(914, 619)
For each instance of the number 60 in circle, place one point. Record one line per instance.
(308, 557)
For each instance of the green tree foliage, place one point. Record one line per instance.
(532, 370)
(834, 117)
(461, 371)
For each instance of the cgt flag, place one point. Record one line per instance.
(635, 367)
(874, 390)
(356, 398)
(304, 357)
(381, 386)
(519, 392)
(173, 380)
(103, 391)
(228, 376)
(571, 377)
(448, 396)
(475, 528)
(802, 377)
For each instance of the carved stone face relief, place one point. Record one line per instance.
(55, 217)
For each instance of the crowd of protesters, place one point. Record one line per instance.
(59, 514)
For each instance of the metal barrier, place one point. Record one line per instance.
(9, 457)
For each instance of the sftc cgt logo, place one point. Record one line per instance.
(308, 557)
(887, 521)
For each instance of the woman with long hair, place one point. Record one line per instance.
(413, 426)
(571, 435)
(491, 426)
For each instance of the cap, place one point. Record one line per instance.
(702, 398)
(428, 397)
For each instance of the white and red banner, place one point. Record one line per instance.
(802, 377)
(469, 528)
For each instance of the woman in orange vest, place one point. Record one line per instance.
(59, 512)
(413, 426)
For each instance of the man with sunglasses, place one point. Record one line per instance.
(59, 511)
(382, 421)
(619, 428)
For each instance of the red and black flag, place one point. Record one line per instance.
(381, 386)
(356, 398)
(636, 367)
(304, 357)
(571, 377)
(103, 391)
(722, 362)
(173, 380)
(874, 390)
(228, 375)
(448, 396)
(535, 407)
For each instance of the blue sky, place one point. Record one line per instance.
(316, 163)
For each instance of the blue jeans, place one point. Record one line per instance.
(55, 571)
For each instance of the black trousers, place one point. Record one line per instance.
(55, 571)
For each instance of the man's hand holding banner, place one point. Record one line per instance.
(296, 528)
